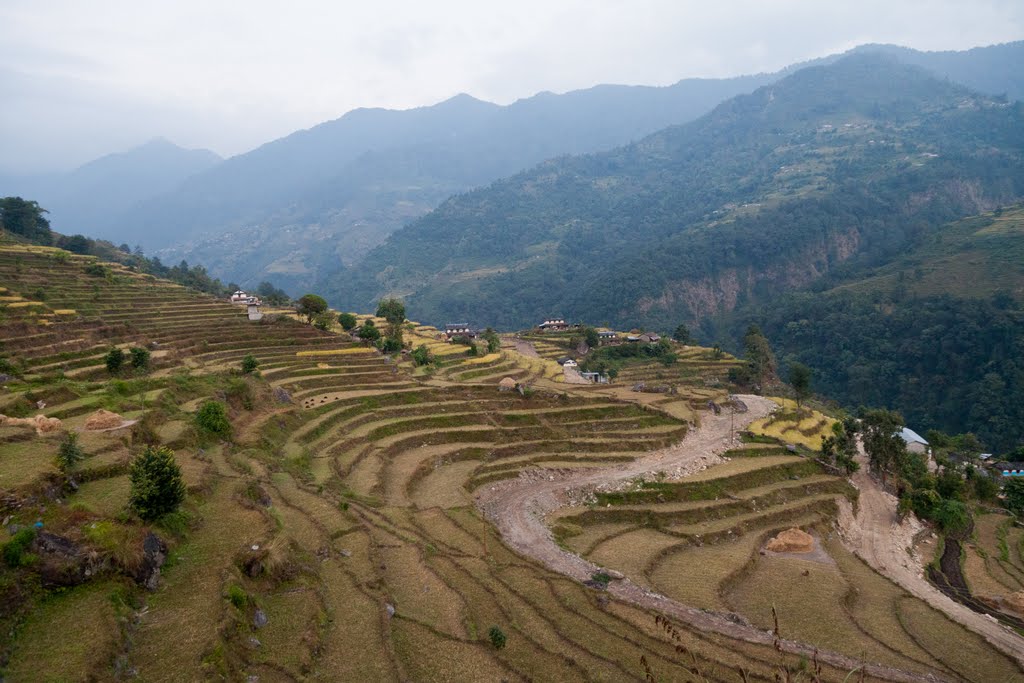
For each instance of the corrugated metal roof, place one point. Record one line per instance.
(910, 436)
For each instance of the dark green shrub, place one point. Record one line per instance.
(114, 360)
(69, 454)
(391, 345)
(15, 550)
(421, 355)
(157, 487)
(212, 418)
(237, 596)
(250, 364)
(368, 332)
(139, 357)
(347, 321)
(497, 637)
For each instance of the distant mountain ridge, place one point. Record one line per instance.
(321, 198)
(91, 197)
(850, 160)
(305, 206)
(323, 203)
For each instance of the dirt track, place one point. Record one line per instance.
(518, 509)
(877, 536)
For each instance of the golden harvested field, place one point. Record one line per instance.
(801, 426)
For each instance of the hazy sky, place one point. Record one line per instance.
(80, 79)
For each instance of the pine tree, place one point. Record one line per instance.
(157, 487)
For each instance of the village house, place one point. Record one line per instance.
(608, 336)
(553, 325)
(239, 297)
(915, 442)
(452, 330)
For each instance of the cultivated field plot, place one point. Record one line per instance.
(795, 425)
(332, 534)
(701, 540)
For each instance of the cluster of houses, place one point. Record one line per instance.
(453, 330)
(917, 444)
(252, 304)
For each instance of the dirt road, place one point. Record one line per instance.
(518, 509)
(877, 536)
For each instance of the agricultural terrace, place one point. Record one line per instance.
(793, 424)
(702, 541)
(332, 535)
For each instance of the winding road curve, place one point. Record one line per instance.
(519, 507)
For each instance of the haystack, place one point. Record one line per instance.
(507, 384)
(103, 419)
(40, 423)
(791, 541)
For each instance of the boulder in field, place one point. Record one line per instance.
(792, 541)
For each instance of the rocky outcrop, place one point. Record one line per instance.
(154, 554)
(62, 562)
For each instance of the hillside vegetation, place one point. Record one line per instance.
(329, 531)
(850, 162)
(937, 333)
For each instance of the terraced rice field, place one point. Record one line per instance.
(795, 425)
(333, 536)
(700, 541)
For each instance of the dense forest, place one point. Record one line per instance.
(945, 363)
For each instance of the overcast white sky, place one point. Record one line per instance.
(80, 79)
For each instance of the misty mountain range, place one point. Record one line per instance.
(303, 208)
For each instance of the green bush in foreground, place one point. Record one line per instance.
(212, 419)
(157, 487)
(250, 364)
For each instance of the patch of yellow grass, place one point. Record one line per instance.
(483, 360)
(331, 352)
(807, 431)
(445, 349)
(64, 311)
(22, 304)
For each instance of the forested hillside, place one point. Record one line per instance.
(853, 161)
(937, 333)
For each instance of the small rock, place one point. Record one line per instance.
(390, 609)
(254, 642)
(345, 553)
(259, 618)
